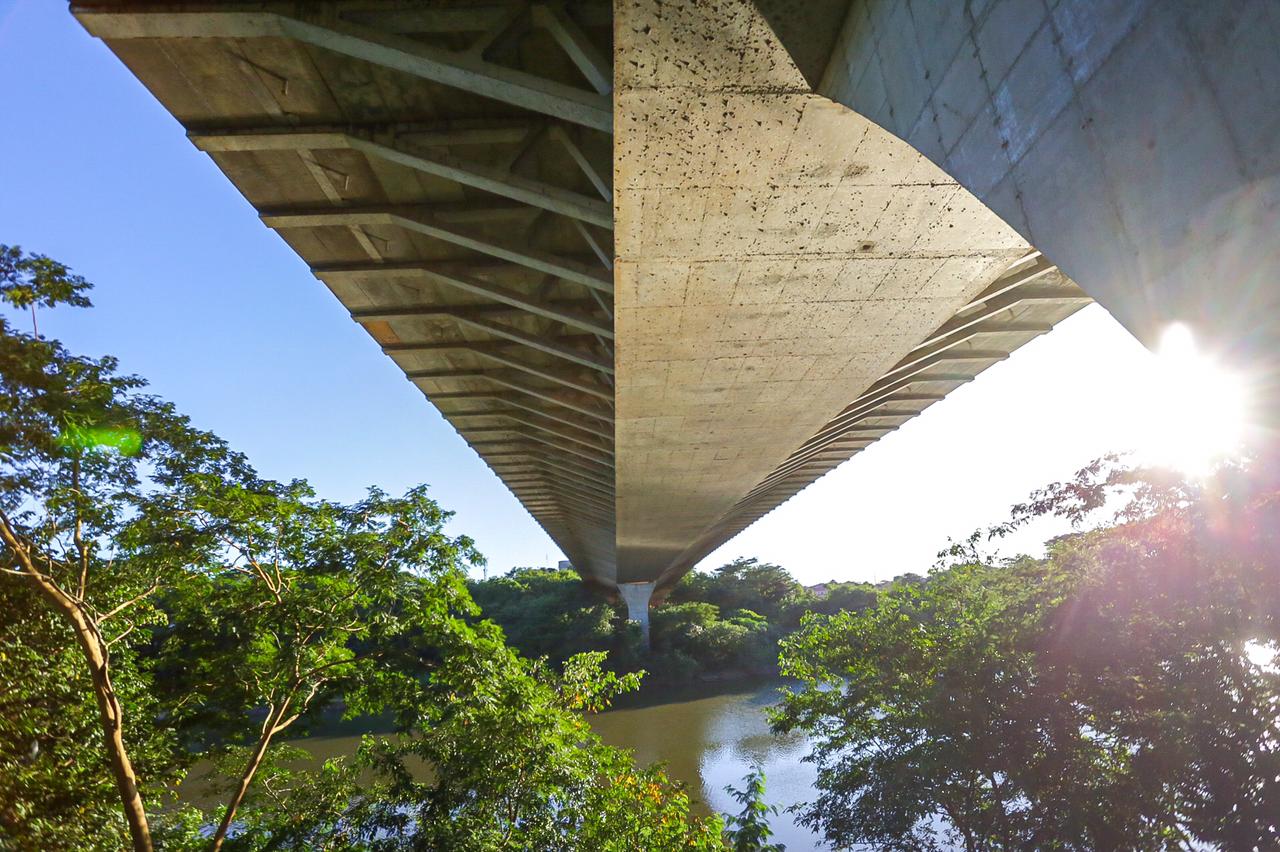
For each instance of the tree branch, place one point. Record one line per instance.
(155, 584)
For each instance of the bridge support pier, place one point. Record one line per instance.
(637, 596)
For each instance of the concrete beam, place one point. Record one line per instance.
(574, 42)
(567, 479)
(1062, 294)
(593, 468)
(598, 455)
(576, 509)
(498, 356)
(467, 317)
(562, 379)
(325, 29)
(590, 426)
(495, 180)
(585, 477)
(918, 366)
(860, 409)
(465, 19)
(467, 284)
(1032, 268)
(535, 392)
(595, 175)
(964, 335)
(423, 221)
(596, 512)
(599, 448)
(556, 428)
(551, 479)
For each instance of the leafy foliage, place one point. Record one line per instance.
(749, 831)
(547, 612)
(161, 595)
(1100, 698)
(723, 623)
(30, 280)
(80, 447)
(56, 787)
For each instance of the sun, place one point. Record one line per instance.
(1196, 411)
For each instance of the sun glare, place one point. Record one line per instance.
(1195, 411)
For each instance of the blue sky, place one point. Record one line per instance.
(195, 294)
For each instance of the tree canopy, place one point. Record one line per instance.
(1105, 697)
(158, 591)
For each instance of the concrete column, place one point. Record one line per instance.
(636, 596)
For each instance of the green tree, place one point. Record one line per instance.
(547, 612)
(296, 602)
(749, 831)
(56, 786)
(844, 596)
(80, 445)
(500, 758)
(219, 606)
(741, 584)
(1100, 698)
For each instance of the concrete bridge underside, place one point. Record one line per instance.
(664, 264)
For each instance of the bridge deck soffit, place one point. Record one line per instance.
(639, 265)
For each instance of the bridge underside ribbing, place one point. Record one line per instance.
(656, 281)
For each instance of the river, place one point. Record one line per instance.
(709, 736)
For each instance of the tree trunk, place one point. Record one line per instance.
(269, 730)
(95, 654)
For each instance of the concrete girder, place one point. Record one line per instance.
(495, 180)
(1133, 143)
(600, 449)
(594, 469)
(499, 355)
(421, 220)
(555, 376)
(548, 345)
(567, 480)
(560, 430)
(738, 291)
(585, 478)
(591, 427)
(529, 390)
(577, 46)
(771, 246)
(965, 335)
(505, 295)
(567, 508)
(552, 375)
(480, 17)
(553, 479)
(522, 437)
(588, 168)
(1063, 295)
(326, 29)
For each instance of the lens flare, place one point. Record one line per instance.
(1196, 411)
(122, 440)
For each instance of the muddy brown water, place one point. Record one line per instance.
(708, 736)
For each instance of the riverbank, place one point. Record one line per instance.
(708, 734)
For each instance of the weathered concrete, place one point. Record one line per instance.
(637, 597)
(777, 253)
(444, 171)
(820, 228)
(1134, 142)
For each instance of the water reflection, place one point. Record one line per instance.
(709, 738)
